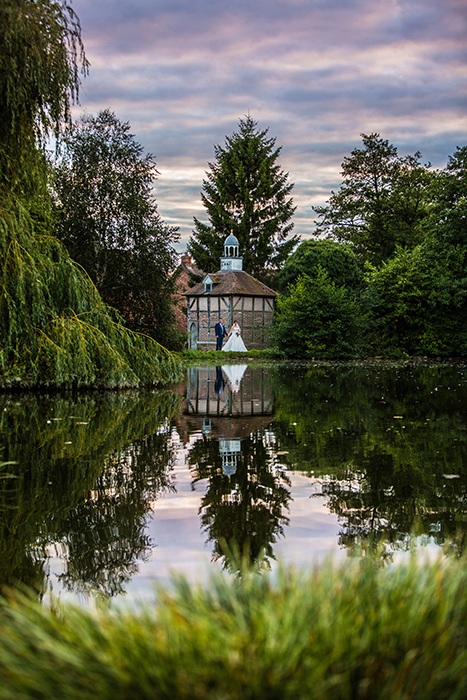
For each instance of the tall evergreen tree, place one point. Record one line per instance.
(246, 193)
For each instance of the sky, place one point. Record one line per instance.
(316, 73)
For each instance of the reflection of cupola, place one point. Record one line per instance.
(231, 259)
(230, 451)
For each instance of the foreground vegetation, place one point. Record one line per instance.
(355, 631)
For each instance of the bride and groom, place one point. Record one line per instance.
(234, 341)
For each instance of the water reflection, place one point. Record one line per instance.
(368, 454)
(246, 500)
(387, 444)
(230, 391)
(86, 471)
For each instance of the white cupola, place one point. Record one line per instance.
(231, 259)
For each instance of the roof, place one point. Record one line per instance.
(231, 240)
(229, 282)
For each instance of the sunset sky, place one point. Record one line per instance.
(317, 73)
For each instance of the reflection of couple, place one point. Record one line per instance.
(234, 338)
(234, 374)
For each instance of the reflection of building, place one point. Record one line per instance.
(233, 391)
(229, 451)
(228, 403)
(233, 295)
(243, 508)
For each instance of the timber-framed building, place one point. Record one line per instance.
(233, 295)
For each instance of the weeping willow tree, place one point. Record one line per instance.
(54, 328)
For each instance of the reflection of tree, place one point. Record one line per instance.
(109, 446)
(383, 440)
(244, 511)
(105, 534)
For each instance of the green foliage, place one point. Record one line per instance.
(382, 201)
(419, 298)
(339, 261)
(317, 319)
(380, 441)
(55, 329)
(40, 58)
(420, 302)
(335, 632)
(85, 471)
(247, 194)
(108, 220)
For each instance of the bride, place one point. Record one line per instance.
(234, 341)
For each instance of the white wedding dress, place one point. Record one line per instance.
(234, 374)
(235, 342)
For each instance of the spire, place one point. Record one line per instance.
(232, 259)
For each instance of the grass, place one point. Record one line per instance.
(214, 357)
(337, 632)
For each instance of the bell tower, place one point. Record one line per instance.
(231, 259)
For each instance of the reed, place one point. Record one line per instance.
(335, 632)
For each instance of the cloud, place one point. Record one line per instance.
(318, 73)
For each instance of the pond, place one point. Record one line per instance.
(109, 493)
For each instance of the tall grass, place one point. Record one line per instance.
(337, 632)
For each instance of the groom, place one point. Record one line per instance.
(220, 332)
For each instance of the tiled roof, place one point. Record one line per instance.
(232, 282)
(193, 270)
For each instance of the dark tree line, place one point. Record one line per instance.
(391, 276)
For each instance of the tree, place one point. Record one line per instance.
(447, 220)
(108, 220)
(317, 319)
(419, 297)
(338, 259)
(55, 329)
(381, 202)
(41, 56)
(247, 194)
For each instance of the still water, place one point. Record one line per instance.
(109, 493)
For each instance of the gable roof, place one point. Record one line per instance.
(232, 282)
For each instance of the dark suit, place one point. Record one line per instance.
(220, 332)
(219, 384)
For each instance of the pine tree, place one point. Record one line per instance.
(246, 193)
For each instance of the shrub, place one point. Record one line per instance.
(317, 319)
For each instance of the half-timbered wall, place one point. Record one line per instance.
(253, 314)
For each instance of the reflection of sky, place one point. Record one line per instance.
(180, 544)
(174, 527)
(312, 530)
